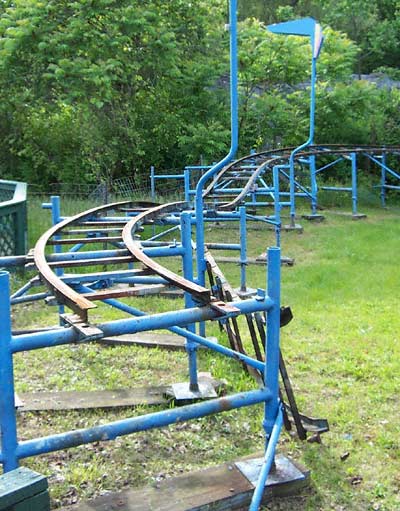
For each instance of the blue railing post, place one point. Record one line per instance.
(8, 423)
(271, 373)
(186, 181)
(277, 205)
(152, 184)
(187, 259)
(314, 185)
(267, 464)
(243, 248)
(272, 409)
(354, 192)
(383, 180)
(56, 218)
(55, 209)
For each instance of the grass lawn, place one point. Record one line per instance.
(342, 351)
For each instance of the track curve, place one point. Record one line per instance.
(248, 169)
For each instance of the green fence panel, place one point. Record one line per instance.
(13, 218)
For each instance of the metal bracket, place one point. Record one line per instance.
(225, 309)
(86, 332)
(182, 393)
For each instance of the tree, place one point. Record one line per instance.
(119, 79)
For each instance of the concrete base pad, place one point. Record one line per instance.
(220, 488)
(358, 216)
(296, 227)
(313, 218)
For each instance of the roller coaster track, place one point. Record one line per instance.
(90, 228)
(122, 232)
(247, 170)
(113, 224)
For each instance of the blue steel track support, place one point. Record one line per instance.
(314, 185)
(267, 463)
(187, 260)
(152, 184)
(186, 181)
(271, 371)
(277, 204)
(8, 423)
(12, 451)
(243, 248)
(115, 429)
(272, 410)
(383, 180)
(354, 191)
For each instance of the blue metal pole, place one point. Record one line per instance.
(170, 320)
(354, 192)
(192, 336)
(313, 99)
(29, 298)
(314, 185)
(243, 248)
(162, 234)
(186, 181)
(272, 410)
(199, 204)
(187, 260)
(115, 429)
(26, 287)
(56, 218)
(277, 204)
(160, 251)
(383, 180)
(8, 423)
(309, 141)
(271, 373)
(152, 184)
(268, 460)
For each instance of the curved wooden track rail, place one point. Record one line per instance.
(202, 294)
(128, 250)
(62, 292)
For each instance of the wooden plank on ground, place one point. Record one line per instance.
(235, 260)
(148, 340)
(38, 401)
(121, 398)
(285, 261)
(260, 260)
(220, 488)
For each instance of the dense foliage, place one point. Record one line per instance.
(96, 90)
